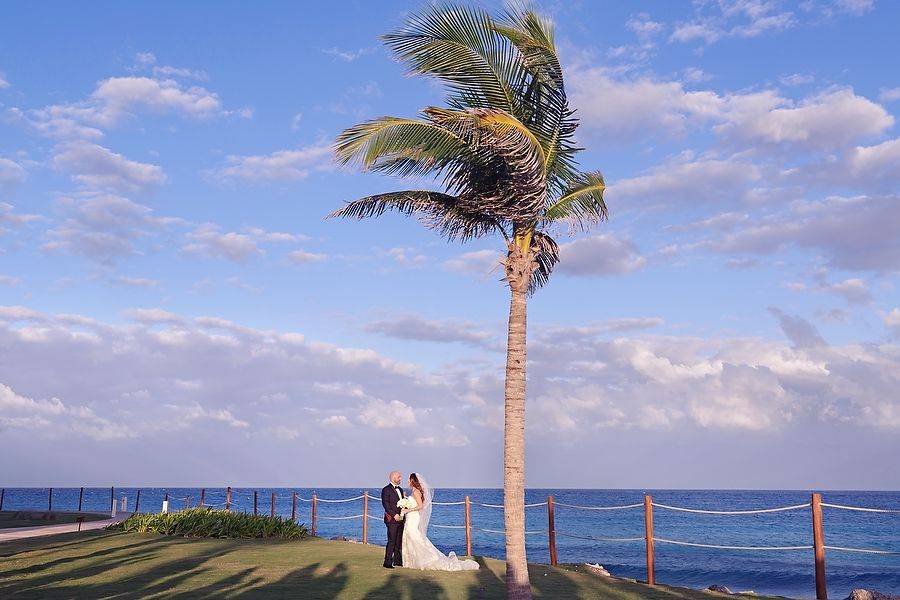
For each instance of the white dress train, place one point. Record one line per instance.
(420, 553)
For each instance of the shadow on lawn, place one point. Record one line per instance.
(181, 568)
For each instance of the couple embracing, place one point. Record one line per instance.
(406, 517)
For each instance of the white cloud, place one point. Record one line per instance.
(301, 257)
(335, 421)
(892, 321)
(450, 437)
(54, 418)
(103, 227)
(688, 181)
(207, 239)
(10, 218)
(139, 282)
(3, 82)
(827, 120)
(11, 172)
(853, 233)
(387, 415)
(889, 94)
(99, 168)
(479, 262)
(796, 79)
(283, 165)
(349, 55)
(599, 256)
(116, 99)
(624, 108)
(695, 75)
(414, 327)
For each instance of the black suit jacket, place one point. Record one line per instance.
(389, 502)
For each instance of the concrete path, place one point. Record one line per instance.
(18, 533)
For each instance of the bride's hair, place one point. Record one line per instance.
(414, 481)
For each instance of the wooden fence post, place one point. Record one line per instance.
(228, 498)
(137, 501)
(365, 518)
(112, 498)
(202, 497)
(315, 502)
(468, 526)
(80, 498)
(551, 530)
(819, 546)
(50, 500)
(254, 503)
(2, 496)
(294, 506)
(648, 536)
(273, 504)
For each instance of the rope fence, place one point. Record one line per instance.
(815, 506)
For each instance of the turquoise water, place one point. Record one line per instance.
(788, 573)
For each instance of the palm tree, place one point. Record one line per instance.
(504, 154)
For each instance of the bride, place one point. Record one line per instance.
(418, 551)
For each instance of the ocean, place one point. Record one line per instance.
(782, 572)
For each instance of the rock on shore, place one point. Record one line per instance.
(861, 594)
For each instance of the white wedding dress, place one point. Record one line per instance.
(418, 551)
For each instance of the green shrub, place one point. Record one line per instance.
(205, 522)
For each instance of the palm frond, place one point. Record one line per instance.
(545, 105)
(398, 145)
(546, 254)
(458, 45)
(505, 176)
(582, 202)
(435, 210)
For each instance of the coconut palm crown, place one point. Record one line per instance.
(503, 151)
(503, 148)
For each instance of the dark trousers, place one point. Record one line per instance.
(393, 551)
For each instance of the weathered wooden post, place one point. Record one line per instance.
(551, 530)
(50, 500)
(202, 497)
(315, 502)
(468, 526)
(254, 503)
(137, 501)
(228, 498)
(273, 504)
(2, 496)
(648, 536)
(294, 506)
(112, 498)
(819, 546)
(80, 498)
(365, 537)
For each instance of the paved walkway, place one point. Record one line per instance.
(18, 533)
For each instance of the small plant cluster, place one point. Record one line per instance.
(206, 522)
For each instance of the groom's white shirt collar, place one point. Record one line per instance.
(397, 488)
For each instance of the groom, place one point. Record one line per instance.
(390, 494)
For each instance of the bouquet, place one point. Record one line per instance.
(405, 503)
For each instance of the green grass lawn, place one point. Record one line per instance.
(32, 518)
(103, 564)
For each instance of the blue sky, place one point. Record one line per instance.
(176, 309)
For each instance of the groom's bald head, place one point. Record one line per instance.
(395, 477)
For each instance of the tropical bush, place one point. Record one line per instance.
(205, 522)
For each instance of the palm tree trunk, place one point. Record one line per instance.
(517, 583)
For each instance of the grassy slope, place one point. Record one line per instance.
(34, 518)
(103, 564)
